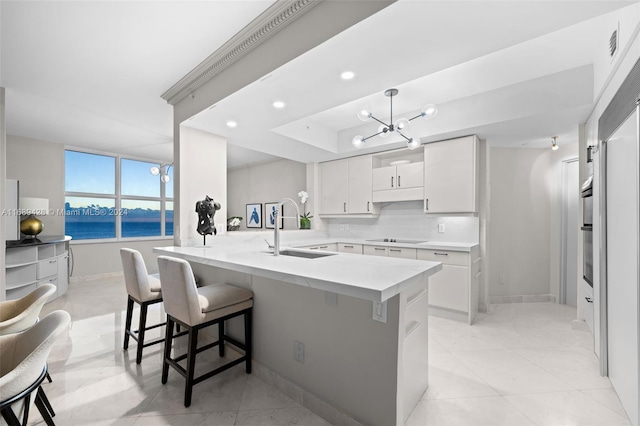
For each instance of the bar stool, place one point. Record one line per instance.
(195, 308)
(143, 289)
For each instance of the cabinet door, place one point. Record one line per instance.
(410, 175)
(403, 253)
(384, 178)
(360, 184)
(350, 248)
(449, 288)
(450, 176)
(334, 191)
(376, 250)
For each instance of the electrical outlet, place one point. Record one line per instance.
(346, 226)
(342, 226)
(441, 228)
(298, 351)
(380, 311)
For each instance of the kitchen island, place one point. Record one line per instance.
(315, 336)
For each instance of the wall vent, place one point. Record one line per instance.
(613, 43)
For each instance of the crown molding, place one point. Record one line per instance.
(265, 26)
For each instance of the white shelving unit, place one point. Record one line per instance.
(28, 266)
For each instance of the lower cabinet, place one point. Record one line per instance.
(323, 247)
(454, 291)
(350, 248)
(29, 267)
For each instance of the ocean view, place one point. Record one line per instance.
(95, 230)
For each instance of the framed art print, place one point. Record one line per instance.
(254, 215)
(269, 210)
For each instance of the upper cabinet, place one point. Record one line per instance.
(398, 176)
(345, 187)
(451, 176)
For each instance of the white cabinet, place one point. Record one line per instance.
(28, 266)
(345, 187)
(450, 178)
(398, 176)
(323, 247)
(454, 291)
(400, 252)
(350, 248)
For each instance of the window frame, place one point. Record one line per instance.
(118, 197)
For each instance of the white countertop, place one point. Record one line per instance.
(364, 277)
(433, 245)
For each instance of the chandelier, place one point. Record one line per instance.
(400, 126)
(162, 171)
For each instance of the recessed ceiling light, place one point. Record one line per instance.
(347, 75)
(232, 123)
(278, 104)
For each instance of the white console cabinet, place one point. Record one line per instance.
(32, 263)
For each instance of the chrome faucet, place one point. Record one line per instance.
(276, 228)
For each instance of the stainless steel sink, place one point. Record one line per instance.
(305, 254)
(393, 240)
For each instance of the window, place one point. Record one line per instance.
(109, 197)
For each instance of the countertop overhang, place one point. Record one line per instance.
(365, 277)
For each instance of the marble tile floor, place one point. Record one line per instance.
(520, 364)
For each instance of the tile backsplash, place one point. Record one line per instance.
(407, 220)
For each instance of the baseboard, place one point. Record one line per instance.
(526, 298)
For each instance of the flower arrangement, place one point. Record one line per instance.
(305, 217)
(233, 223)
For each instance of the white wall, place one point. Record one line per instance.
(407, 220)
(200, 169)
(523, 232)
(266, 183)
(39, 166)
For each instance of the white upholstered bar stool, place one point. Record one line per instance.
(143, 289)
(194, 308)
(20, 314)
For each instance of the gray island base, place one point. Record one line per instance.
(352, 366)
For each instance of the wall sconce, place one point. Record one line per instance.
(163, 171)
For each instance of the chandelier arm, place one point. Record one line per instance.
(381, 122)
(369, 137)
(400, 133)
(417, 116)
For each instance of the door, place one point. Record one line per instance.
(622, 263)
(360, 184)
(334, 191)
(570, 228)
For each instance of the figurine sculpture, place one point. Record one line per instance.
(206, 210)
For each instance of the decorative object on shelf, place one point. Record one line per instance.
(270, 214)
(401, 125)
(32, 226)
(254, 215)
(233, 223)
(554, 144)
(163, 171)
(206, 210)
(305, 217)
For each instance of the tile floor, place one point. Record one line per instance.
(521, 364)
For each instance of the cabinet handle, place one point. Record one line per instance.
(379, 248)
(588, 299)
(392, 181)
(323, 247)
(399, 181)
(52, 261)
(367, 205)
(347, 246)
(426, 204)
(314, 248)
(395, 250)
(441, 254)
(344, 207)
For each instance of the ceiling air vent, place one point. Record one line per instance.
(613, 43)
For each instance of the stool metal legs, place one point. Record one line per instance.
(192, 350)
(138, 335)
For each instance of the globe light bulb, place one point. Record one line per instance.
(358, 141)
(155, 170)
(364, 115)
(413, 143)
(383, 130)
(402, 124)
(166, 178)
(429, 111)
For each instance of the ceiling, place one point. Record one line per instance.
(90, 74)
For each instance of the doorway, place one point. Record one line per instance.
(570, 227)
